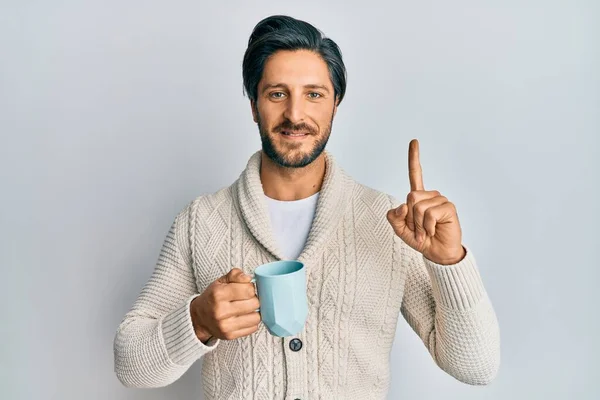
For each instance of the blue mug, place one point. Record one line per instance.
(281, 289)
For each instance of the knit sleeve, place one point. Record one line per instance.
(448, 307)
(155, 343)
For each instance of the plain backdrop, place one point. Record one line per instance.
(115, 114)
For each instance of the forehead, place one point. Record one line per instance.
(300, 67)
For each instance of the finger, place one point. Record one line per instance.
(235, 275)
(397, 218)
(247, 320)
(437, 215)
(238, 291)
(415, 174)
(239, 322)
(228, 276)
(239, 333)
(242, 307)
(419, 211)
(413, 198)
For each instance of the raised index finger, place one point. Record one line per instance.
(415, 174)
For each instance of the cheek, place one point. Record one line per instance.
(270, 116)
(323, 118)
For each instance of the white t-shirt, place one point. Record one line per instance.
(291, 222)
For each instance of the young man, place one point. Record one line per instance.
(367, 261)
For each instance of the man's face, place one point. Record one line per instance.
(295, 107)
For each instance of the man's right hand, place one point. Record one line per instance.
(227, 308)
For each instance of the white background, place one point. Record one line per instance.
(115, 114)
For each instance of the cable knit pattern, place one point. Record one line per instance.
(327, 317)
(349, 288)
(312, 337)
(278, 368)
(360, 278)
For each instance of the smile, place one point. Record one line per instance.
(294, 135)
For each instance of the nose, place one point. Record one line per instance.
(294, 110)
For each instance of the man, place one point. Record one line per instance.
(367, 261)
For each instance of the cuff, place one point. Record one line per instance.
(183, 346)
(457, 286)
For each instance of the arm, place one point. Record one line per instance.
(448, 307)
(156, 342)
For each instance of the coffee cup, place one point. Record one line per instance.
(281, 290)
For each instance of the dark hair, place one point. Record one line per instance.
(280, 32)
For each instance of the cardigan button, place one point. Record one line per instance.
(295, 344)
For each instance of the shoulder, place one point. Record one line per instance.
(369, 209)
(203, 206)
(372, 198)
(369, 213)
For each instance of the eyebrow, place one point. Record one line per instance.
(309, 86)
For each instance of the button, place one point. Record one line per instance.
(295, 345)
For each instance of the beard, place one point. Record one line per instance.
(288, 159)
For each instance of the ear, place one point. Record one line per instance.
(254, 111)
(335, 105)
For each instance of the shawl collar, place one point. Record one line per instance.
(334, 198)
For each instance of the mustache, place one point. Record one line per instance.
(288, 126)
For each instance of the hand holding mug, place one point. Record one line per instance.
(227, 309)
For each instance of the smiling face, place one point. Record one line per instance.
(295, 106)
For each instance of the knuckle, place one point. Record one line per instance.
(428, 216)
(210, 294)
(216, 294)
(427, 213)
(239, 272)
(233, 273)
(436, 193)
(420, 209)
(228, 336)
(222, 325)
(219, 311)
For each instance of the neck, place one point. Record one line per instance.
(289, 184)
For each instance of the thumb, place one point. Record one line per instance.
(236, 275)
(397, 218)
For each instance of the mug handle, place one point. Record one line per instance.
(255, 289)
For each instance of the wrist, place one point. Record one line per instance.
(451, 260)
(201, 332)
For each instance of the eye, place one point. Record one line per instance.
(277, 95)
(315, 93)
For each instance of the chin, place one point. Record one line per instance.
(293, 155)
(296, 158)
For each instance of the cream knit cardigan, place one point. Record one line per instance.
(360, 277)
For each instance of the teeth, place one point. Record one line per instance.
(294, 134)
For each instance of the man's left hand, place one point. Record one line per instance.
(427, 222)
